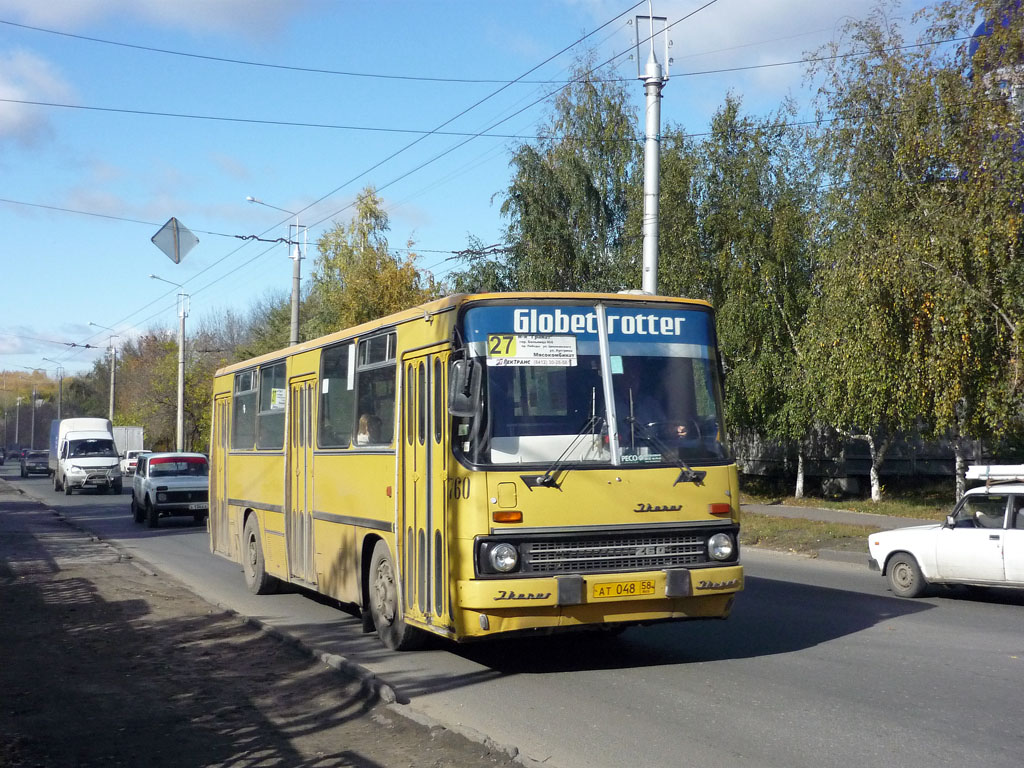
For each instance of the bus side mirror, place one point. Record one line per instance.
(464, 388)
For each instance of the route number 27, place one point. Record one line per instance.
(501, 345)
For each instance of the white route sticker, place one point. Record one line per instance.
(520, 349)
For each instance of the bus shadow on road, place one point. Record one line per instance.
(770, 617)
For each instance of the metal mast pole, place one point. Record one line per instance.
(296, 287)
(653, 83)
(182, 312)
(113, 364)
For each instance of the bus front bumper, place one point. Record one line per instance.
(560, 591)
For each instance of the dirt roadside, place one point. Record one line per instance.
(104, 664)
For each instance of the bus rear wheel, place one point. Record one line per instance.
(257, 579)
(385, 607)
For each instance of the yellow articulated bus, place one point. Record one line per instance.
(487, 464)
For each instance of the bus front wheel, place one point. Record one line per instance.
(385, 607)
(257, 579)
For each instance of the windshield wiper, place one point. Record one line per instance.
(547, 480)
(686, 473)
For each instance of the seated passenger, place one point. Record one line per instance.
(368, 432)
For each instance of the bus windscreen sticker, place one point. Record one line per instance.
(524, 349)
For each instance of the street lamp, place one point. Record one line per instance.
(17, 412)
(182, 314)
(60, 384)
(296, 268)
(113, 362)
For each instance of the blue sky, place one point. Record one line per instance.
(126, 173)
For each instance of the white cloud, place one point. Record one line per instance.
(27, 77)
(247, 17)
(231, 166)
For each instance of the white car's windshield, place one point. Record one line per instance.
(183, 467)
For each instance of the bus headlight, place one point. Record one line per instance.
(720, 546)
(161, 497)
(504, 557)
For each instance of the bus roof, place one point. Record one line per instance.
(447, 304)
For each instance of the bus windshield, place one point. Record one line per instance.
(551, 393)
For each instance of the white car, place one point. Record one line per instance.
(981, 543)
(130, 462)
(170, 484)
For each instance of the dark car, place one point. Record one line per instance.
(35, 463)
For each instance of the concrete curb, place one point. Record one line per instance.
(372, 687)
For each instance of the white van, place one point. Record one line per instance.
(86, 456)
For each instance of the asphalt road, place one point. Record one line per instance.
(819, 666)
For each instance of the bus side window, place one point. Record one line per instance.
(243, 421)
(375, 383)
(440, 415)
(337, 399)
(270, 419)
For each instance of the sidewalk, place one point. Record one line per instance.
(845, 517)
(105, 663)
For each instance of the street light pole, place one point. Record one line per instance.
(60, 385)
(3, 443)
(296, 267)
(32, 431)
(182, 314)
(113, 365)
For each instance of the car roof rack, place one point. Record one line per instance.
(996, 473)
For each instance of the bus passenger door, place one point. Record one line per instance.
(299, 521)
(422, 531)
(220, 524)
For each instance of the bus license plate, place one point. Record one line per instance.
(201, 505)
(624, 588)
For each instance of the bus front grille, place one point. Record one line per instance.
(640, 553)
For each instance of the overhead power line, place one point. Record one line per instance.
(266, 65)
(68, 344)
(99, 215)
(373, 167)
(434, 79)
(286, 123)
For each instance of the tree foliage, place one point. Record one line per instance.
(569, 197)
(917, 319)
(865, 271)
(357, 277)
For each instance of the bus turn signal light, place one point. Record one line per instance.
(720, 509)
(507, 516)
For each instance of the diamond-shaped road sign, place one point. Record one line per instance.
(175, 239)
